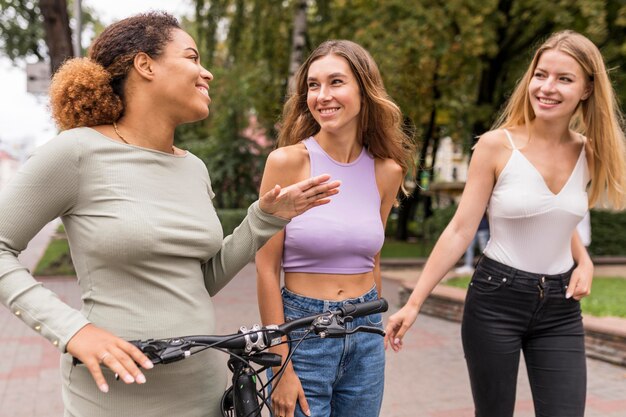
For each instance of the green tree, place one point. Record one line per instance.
(40, 29)
(245, 44)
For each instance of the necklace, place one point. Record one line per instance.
(119, 135)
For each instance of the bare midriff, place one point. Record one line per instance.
(333, 287)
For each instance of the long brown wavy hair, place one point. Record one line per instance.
(381, 127)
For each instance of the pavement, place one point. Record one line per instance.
(427, 378)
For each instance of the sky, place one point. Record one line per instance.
(25, 117)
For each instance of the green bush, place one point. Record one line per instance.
(434, 225)
(608, 230)
(231, 218)
(606, 299)
(426, 231)
(56, 260)
(608, 233)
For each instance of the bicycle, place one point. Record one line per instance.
(241, 398)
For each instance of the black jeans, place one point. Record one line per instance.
(507, 311)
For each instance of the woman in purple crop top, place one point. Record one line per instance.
(338, 121)
(539, 175)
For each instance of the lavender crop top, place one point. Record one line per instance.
(342, 237)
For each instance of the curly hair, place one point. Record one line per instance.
(381, 128)
(90, 91)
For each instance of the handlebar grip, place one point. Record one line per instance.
(365, 309)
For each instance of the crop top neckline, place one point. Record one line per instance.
(314, 142)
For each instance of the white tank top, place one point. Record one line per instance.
(531, 227)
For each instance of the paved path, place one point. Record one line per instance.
(37, 246)
(427, 379)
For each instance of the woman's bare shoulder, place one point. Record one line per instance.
(286, 157)
(494, 139)
(288, 164)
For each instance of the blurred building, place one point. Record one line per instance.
(8, 166)
(449, 173)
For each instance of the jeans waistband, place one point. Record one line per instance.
(315, 304)
(491, 266)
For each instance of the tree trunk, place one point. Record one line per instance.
(58, 34)
(298, 41)
(409, 204)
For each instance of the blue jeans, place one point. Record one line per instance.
(341, 377)
(508, 311)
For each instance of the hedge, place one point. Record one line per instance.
(608, 230)
(231, 218)
(608, 233)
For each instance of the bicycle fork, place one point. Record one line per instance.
(242, 396)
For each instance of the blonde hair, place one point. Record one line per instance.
(598, 117)
(380, 127)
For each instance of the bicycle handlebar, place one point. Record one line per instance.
(249, 345)
(257, 339)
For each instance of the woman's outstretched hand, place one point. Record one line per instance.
(291, 201)
(398, 325)
(95, 347)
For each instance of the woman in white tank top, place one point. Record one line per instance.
(554, 151)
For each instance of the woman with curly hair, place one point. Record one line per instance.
(339, 120)
(145, 239)
(556, 150)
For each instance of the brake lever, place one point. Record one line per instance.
(366, 329)
(331, 326)
(162, 351)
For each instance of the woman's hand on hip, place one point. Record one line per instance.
(398, 325)
(297, 198)
(580, 282)
(94, 347)
(286, 393)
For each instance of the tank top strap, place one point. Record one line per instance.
(508, 135)
(312, 146)
(315, 151)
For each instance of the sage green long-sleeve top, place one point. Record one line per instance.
(149, 253)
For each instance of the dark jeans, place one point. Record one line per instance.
(507, 311)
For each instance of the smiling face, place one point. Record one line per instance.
(181, 81)
(333, 95)
(557, 86)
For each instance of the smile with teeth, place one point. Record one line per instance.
(203, 90)
(328, 110)
(547, 100)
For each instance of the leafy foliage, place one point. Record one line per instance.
(449, 65)
(608, 233)
(22, 32)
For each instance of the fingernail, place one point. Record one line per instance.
(141, 379)
(128, 378)
(396, 341)
(148, 365)
(104, 388)
(568, 295)
(307, 412)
